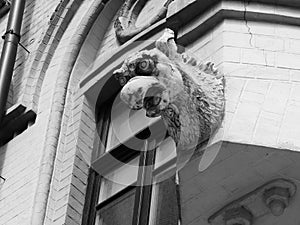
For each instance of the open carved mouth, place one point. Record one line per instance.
(152, 100)
(145, 92)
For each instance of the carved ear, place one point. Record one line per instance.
(166, 44)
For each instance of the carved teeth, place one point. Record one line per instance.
(140, 88)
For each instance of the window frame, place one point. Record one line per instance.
(143, 195)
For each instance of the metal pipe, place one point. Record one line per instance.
(9, 51)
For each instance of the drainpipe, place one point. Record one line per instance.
(8, 56)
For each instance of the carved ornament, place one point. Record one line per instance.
(188, 95)
(125, 24)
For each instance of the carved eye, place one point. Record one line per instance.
(145, 66)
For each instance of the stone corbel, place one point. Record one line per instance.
(273, 197)
(187, 94)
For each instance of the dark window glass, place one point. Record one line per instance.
(118, 212)
(113, 199)
(164, 203)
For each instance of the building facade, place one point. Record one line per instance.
(72, 159)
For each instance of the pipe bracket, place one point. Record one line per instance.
(11, 31)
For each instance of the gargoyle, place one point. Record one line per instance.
(189, 96)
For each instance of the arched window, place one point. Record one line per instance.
(133, 179)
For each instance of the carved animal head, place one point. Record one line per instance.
(187, 95)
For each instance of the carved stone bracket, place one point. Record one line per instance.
(273, 197)
(187, 94)
(124, 25)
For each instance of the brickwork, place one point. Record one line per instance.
(20, 166)
(259, 63)
(60, 204)
(66, 199)
(108, 40)
(72, 166)
(35, 21)
(26, 181)
(20, 157)
(51, 37)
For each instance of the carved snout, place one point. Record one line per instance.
(145, 92)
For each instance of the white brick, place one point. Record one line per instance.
(258, 57)
(255, 91)
(295, 75)
(248, 96)
(288, 60)
(239, 70)
(257, 86)
(243, 123)
(268, 42)
(277, 97)
(295, 93)
(217, 57)
(234, 87)
(205, 51)
(267, 129)
(234, 39)
(273, 73)
(231, 54)
(290, 130)
(292, 46)
(287, 31)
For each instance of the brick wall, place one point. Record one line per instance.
(36, 20)
(261, 66)
(21, 158)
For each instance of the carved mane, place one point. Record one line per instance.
(188, 95)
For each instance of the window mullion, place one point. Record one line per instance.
(94, 179)
(144, 184)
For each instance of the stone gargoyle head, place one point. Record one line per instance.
(189, 96)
